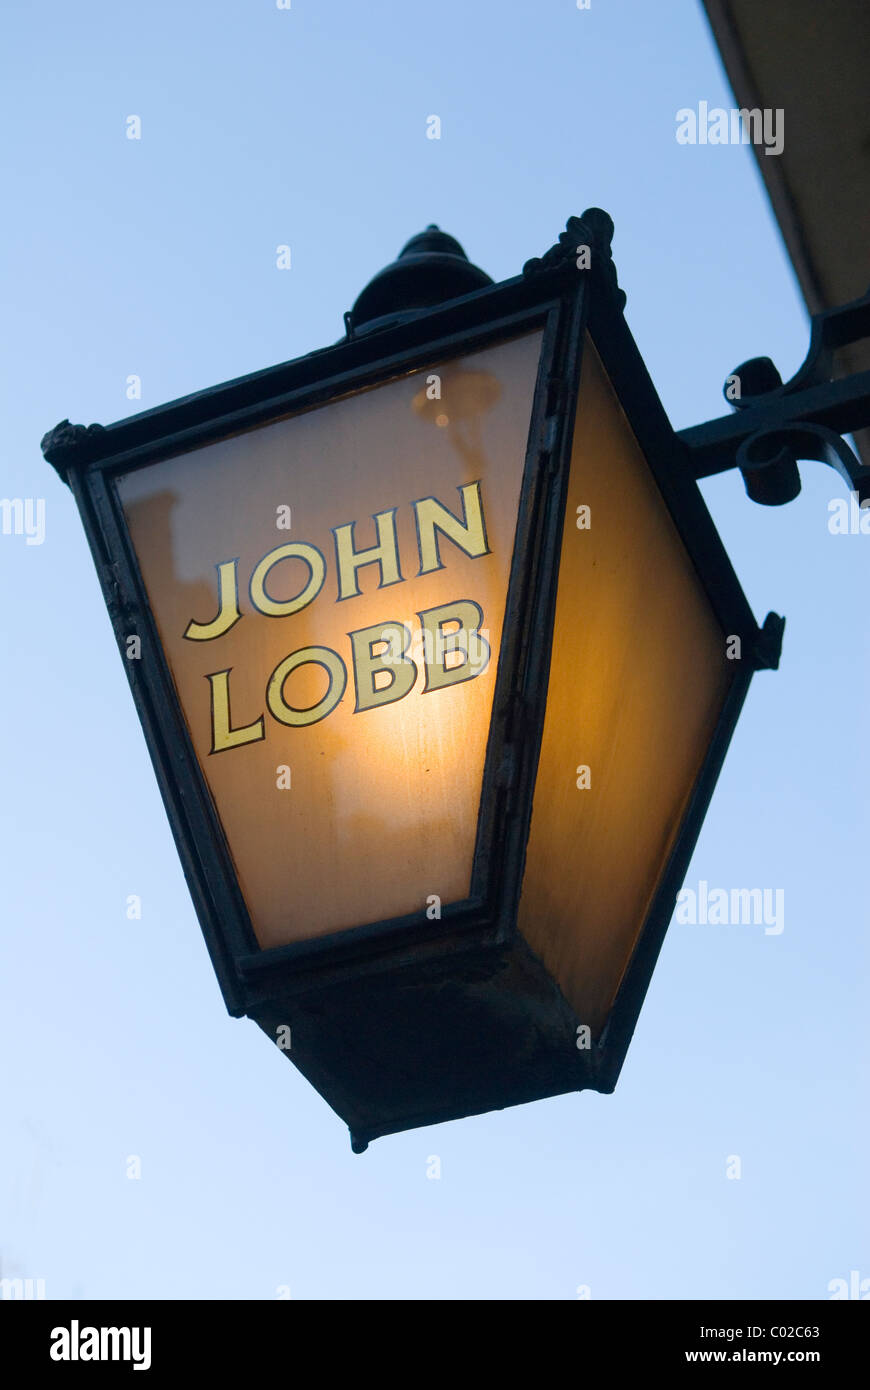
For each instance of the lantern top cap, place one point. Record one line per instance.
(432, 240)
(431, 268)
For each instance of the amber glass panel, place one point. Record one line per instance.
(370, 812)
(639, 676)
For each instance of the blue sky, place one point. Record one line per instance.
(306, 127)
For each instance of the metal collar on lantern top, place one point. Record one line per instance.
(367, 1004)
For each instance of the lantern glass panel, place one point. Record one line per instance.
(638, 679)
(340, 711)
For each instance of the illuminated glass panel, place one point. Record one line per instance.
(340, 710)
(638, 679)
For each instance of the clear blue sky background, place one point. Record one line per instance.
(157, 257)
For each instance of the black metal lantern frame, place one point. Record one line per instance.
(409, 1021)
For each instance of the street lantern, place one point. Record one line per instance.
(437, 653)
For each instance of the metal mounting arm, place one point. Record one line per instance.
(777, 424)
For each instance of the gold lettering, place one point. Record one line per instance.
(281, 608)
(385, 554)
(228, 606)
(466, 640)
(469, 534)
(298, 718)
(222, 736)
(366, 666)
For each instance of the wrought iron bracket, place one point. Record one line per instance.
(777, 424)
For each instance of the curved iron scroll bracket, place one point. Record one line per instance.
(776, 424)
(768, 462)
